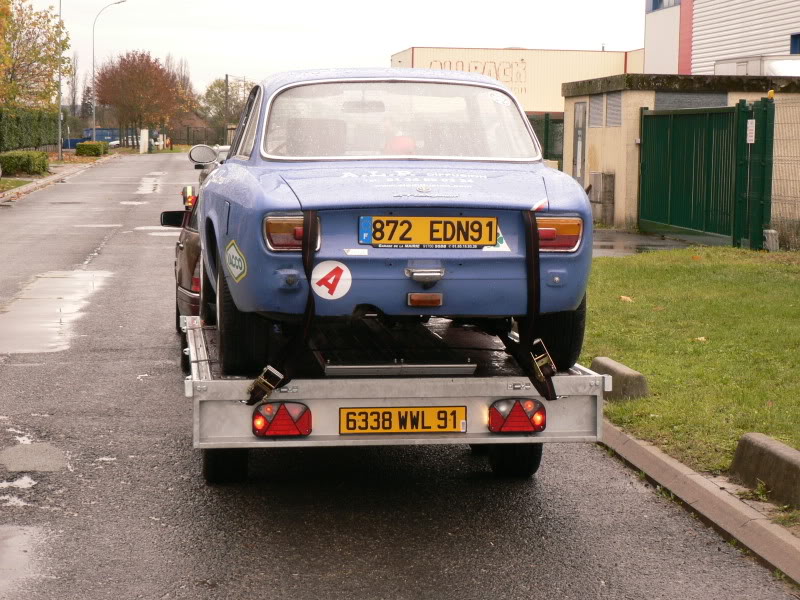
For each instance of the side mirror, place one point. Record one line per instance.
(172, 218)
(202, 154)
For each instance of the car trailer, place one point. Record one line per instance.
(366, 383)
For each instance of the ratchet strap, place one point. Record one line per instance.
(530, 353)
(273, 377)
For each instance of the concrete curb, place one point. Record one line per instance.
(760, 458)
(628, 384)
(12, 195)
(771, 542)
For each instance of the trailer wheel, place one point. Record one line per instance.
(225, 465)
(243, 337)
(515, 460)
(207, 315)
(562, 333)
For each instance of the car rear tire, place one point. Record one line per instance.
(515, 460)
(562, 333)
(243, 337)
(177, 318)
(208, 315)
(225, 465)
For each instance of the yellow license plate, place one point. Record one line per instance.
(409, 419)
(428, 232)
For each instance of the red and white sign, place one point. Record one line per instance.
(331, 279)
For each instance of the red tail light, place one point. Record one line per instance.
(196, 278)
(517, 416)
(559, 234)
(280, 419)
(285, 231)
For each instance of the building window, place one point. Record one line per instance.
(596, 110)
(794, 45)
(614, 109)
(652, 5)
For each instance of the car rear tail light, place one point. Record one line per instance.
(425, 299)
(281, 419)
(196, 277)
(559, 234)
(517, 416)
(284, 232)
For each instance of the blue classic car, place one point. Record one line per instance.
(419, 181)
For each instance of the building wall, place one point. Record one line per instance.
(738, 28)
(662, 40)
(636, 61)
(403, 59)
(535, 76)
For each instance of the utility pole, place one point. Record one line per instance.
(225, 116)
(94, 86)
(60, 143)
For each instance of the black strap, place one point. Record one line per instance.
(531, 353)
(281, 373)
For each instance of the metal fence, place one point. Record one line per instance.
(550, 131)
(197, 135)
(786, 174)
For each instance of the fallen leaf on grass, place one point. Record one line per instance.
(700, 339)
(695, 257)
(658, 308)
(626, 298)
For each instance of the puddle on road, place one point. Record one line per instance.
(40, 317)
(16, 555)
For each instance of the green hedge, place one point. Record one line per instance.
(105, 147)
(24, 161)
(90, 149)
(25, 128)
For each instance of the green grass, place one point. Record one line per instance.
(717, 333)
(789, 517)
(9, 184)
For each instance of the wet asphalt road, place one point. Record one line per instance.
(126, 514)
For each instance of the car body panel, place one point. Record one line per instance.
(238, 194)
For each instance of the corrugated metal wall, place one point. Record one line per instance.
(738, 28)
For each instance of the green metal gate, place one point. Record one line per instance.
(701, 176)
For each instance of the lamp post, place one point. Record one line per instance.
(94, 86)
(60, 142)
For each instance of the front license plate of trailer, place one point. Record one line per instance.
(427, 232)
(407, 419)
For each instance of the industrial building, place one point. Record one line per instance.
(722, 37)
(535, 76)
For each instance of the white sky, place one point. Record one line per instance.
(255, 38)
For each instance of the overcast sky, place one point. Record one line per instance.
(254, 38)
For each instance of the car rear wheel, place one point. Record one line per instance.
(243, 337)
(515, 460)
(562, 333)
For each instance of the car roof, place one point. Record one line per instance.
(279, 80)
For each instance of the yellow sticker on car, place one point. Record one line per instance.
(237, 263)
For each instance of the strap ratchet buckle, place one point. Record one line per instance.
(543, 365)
(263, 385)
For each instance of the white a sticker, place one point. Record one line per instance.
(237, 263)
(331, 279)
(500, 246)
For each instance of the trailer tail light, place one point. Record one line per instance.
(281, 419)
(284, 232)
(559, 234)
(517, 416)
(189, 197)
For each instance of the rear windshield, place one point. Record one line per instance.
(385, 119)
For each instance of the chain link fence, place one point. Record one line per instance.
(786, 174)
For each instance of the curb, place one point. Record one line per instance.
(771, 542)
(12, 195)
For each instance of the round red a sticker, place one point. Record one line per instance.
(331, 279)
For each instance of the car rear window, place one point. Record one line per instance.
(389, 119)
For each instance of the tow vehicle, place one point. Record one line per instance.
(369, 384)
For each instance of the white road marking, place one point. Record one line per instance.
(23, 483)
(151, 228)
(13, 501)
(132, 203)
(100, 225)
(165, 233)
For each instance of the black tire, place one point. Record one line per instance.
(186, 366)
(208, 299)
(225, 465)
(177, 318)
(515, 460)
(479, 449)
(243, 337)
(562, 333)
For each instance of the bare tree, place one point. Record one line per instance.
(72, 85)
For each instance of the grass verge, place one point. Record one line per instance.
(717, 333)
(9, 184)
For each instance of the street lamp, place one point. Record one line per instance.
(94, 86)
(60, 142)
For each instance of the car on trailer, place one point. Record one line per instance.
(420, 182)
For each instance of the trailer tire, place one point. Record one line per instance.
(515, 460)
(207, 314)
(243, 337)
(225, 465)
(562, 333)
